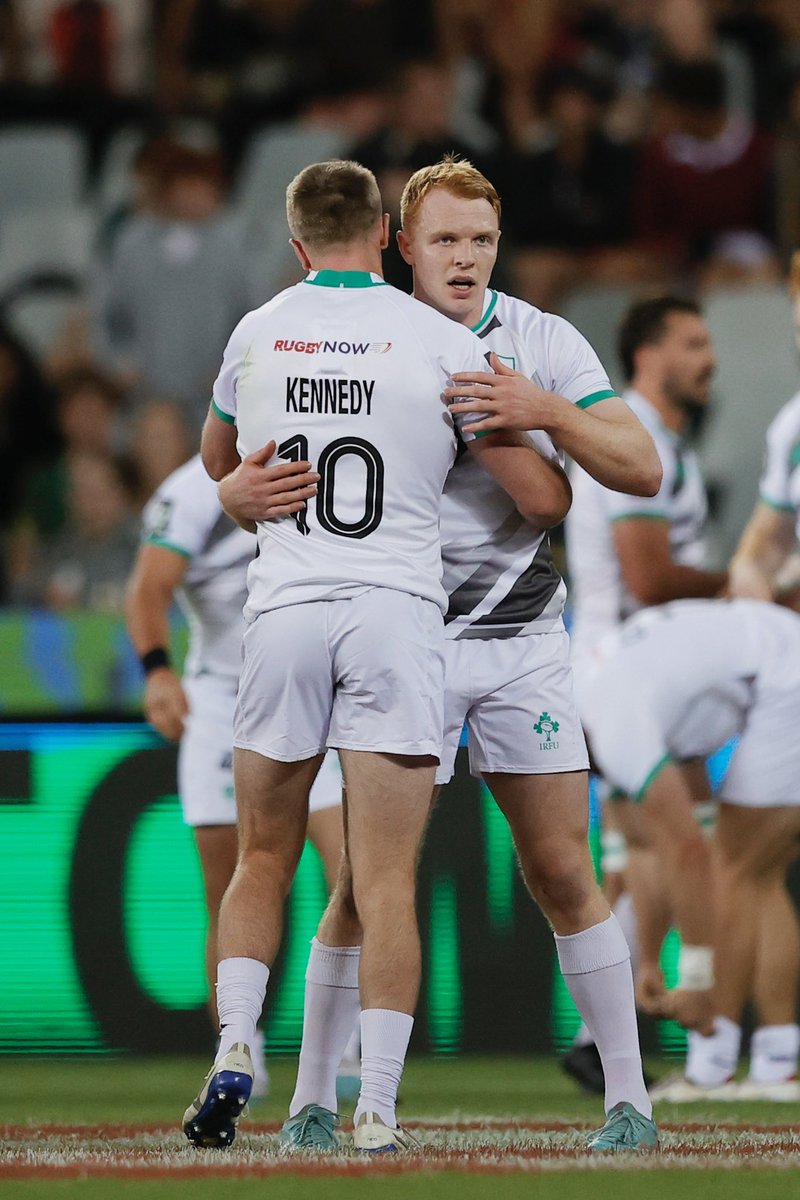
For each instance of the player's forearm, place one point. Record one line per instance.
(651, 584)
(619, 454)
(539, 487)
(147, 615)
(763, 549)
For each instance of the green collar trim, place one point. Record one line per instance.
(488, 314)
(345, 279)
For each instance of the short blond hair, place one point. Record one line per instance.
(333, 203)
(453, 175)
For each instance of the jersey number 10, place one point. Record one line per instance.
(296, 450)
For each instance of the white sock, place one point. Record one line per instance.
(583, 1037)
(384, 1043)
(351, 1059)
(596, 967)
(711, 1061)
(330, 1011)
(625, 913)
(773, 1053)
(241, 987)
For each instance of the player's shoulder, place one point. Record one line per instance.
(519, 315)
(440, 335)
(786, 422)
(189, 485)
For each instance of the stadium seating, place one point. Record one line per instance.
(41, 168)
(757, 373)
(44, 241)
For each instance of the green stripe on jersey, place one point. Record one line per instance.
(651, 777)
(155, 540)
(588, 401)
(640, 516)
(487, 315)
(787, 508)
(223, 416)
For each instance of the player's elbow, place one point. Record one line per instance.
(216, 464)
(548, 506)
(647, 472)
(648, 586)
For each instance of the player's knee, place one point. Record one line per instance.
(561, 882)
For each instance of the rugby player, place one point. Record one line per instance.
(345, 643)
(624, 552)
(675, 683)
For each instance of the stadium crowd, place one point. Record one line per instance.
(142, 148)
(144, 154)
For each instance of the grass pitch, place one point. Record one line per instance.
(110, 1128)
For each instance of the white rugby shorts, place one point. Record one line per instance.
(516, 696)
(764, 771)
(363, 673)
(205, 757)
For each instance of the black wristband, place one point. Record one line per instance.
(155, 658)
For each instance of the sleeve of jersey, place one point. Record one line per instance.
(473, 357)
(179, 518)
(621, 507)
(773, 488)
(576, 372)
(223, 400)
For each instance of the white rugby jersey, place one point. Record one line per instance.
(185, 516)
(780, 480)
(598, 594)
(348, 372)
(678, 680)
(498, 570)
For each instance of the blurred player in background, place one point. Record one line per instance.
(193, 552)
(624, 552)
(345, 642)
(507, 657)
(764, 554)
(675, 684)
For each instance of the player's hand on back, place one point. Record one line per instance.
(165, 703)
(255, 492)
(509, 399)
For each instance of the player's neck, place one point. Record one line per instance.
(358, 258)
(672, 416)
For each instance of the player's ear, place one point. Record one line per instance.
(404, 246)
(385, 220)
(300, 254)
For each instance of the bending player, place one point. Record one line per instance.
(345, 642)
(507, 652)
(192, 551)
(675, 684)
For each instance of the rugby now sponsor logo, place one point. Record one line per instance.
(300, 347)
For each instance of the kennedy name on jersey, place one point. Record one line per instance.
(300, 347)
(327, 395)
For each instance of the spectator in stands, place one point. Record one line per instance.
(28, 433)
(704, 189)
(160, 443)
(417, 132)
(87, 564)
(176, 284)
(569, 202)
(84, 62)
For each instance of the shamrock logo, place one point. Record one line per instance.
(546, 725)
